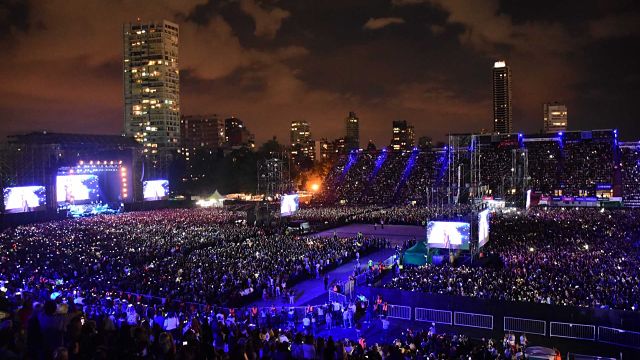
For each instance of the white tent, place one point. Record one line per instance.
(215, 200)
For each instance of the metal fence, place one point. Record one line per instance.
(399, 312)
(529, 326)
(434, 316)
(619, 337)
(473, 320)
(572, 331)
(337, 297)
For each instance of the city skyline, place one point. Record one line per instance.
(270, 64)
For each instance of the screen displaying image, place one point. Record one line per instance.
(483, 227)
(24, 199)
(448, 235)
(288, 205)
(155, 190)
(71, 189)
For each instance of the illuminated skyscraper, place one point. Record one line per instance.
(152, 88)
(301, 143)
(352, 138)
(502, 112)
(555, 117)
(403, 136)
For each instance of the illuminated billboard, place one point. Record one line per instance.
(72, 189)
(484, 219)
(155, 190)
(289, 204)
(24, 199)
(448, 234)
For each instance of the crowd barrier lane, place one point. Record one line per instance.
(529, 326)
(474, 320)
(572, 331)
(337, 297)
(434, 316)
(619, 337)
(399, 312)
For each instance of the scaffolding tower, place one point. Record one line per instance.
(274, 175)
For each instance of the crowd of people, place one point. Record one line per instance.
(196, 255)
(575, 257)
(574, 163)
(100, 327)
(372, 214)
(385, 177)
(630, 169)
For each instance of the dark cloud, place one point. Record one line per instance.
(271, 62)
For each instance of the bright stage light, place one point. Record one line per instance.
(315, 187)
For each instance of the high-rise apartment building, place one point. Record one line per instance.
(555, 117)
(301, 143)
(201, 132)
(502, 111)
(152, 90)
(236, 134)
(352, 125)
(402, 136)
(300, 132)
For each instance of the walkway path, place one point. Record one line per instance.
(313, 292)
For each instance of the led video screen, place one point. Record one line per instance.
(448, 234)
(484, 219)
(71, 189)
(155, 190)
(24, 199)
(289, 205)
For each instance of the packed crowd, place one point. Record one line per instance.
(70, 326)
(404, 215)
(630, 169)
(574, 163)
(197, 255)
(384, 177)
(575, 257)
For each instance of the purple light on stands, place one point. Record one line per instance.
(379, 161)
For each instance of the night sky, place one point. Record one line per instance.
(271, 62)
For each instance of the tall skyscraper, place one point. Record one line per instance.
(502, 112)
(352, 125)
(402, 136)
(555, 117)
(301, 143)
(152, 88)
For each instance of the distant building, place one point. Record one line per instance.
(201, 132)
(555, 117)
(152, 88)
(340, 146)
(324, 150)
(352, 125)
(402, 136)
(236, 134)
(502, 111)
(425, 142)
(302, 146)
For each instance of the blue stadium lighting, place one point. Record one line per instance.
(560, 133)
(409, 167)
(379, 161)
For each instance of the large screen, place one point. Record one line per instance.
(155, 190)
(288, 205)
(448, 234)
(484, 219)
(24, 199)
(71, 189)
